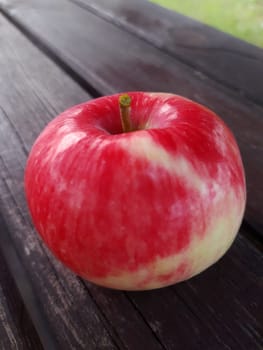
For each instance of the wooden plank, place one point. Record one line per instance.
(16, 328)
(26, 290)
(124, 319)
(226, 59)
(109, 64)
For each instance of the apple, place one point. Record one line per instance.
(136, 191)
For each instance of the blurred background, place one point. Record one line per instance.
(241, 18)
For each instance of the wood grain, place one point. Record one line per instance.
(228, 60)
(16, 328)
(115, 60)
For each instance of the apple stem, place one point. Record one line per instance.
(125, 104)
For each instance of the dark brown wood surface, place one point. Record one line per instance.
(16, 328)
(221, 308)
(230, 61)
(102, 63)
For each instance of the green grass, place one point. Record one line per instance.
(241, 18)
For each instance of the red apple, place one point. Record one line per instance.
(141, 209)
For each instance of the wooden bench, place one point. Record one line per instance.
(54, 54)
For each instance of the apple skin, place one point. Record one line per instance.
(138, 210)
